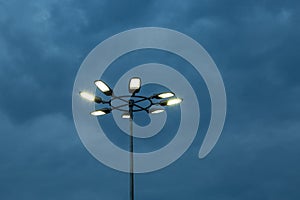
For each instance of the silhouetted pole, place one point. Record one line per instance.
(131, 150)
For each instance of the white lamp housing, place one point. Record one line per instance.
(170, 102)
(126, 115)
(164, 95)
(103, 87)
(90, 97)
(156, 110)
(134, 85)
(102, 111)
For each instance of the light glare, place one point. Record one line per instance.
(102, 86)
(165, 95)
(174, 101)
(134, 84)
(156, 110)
(125, 116)
(98, 113)
(87, 96)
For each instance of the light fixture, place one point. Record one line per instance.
(102, 111)
(164, 95)
(103, 87)
(133, 102)
(134, 85)
(170, 102)
(126, 115)
(156, 110)
(90, 97)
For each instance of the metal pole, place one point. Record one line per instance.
(131, 150)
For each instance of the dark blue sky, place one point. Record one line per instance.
(255, 45)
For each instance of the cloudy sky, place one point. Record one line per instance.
(255, 45)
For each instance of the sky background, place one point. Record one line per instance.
(255, 45)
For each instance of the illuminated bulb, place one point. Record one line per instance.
(165, 95)
(170, 102)
(87, 96)
(100, 112)
(156, 110)
(134, 84)
(174, 101)
(103, 87)
(125, 116)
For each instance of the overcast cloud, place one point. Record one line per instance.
(255, 45)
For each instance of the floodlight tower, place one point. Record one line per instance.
(132, 102)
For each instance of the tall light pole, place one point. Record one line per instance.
(133, 103)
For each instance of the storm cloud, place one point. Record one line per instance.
(255, 45)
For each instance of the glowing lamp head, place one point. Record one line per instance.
(170, 102)
(100, 112)
(126, 115)
(90, 97)
(103, 87)
(164, 95)
(156, 110)
(134, 85)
